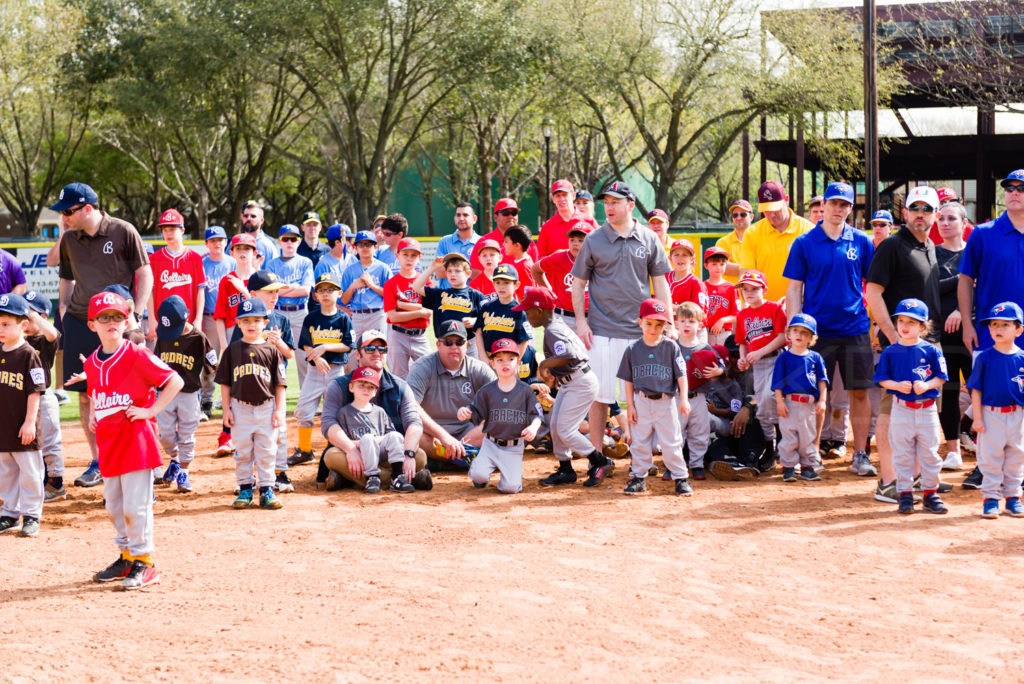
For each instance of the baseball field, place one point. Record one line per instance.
(744, 581)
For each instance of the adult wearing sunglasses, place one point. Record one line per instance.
(97, 250)
(394, 396)
(442, 383)
(742, 215)
(506, 215)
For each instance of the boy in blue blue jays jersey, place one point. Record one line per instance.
(362, 287)
(326, 338)
(800, 384)
(457, 302)
(913, 371)
(997, 401)
(295, 274)
(497, 318)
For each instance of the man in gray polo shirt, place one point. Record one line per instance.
(96, 251)
(619, 262)
(444, 382)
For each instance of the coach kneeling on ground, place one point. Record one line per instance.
(444, 382)
(394, 396)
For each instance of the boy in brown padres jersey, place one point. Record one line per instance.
(21, 383)
(252, 379)
(186, 350)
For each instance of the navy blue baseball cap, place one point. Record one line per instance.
(120, 290)
(365, 236)
(252, 308)
(912, 308)
(1017, 175)
(216, 232)
(289, 229)
(14, 304)
(310, 217)
(505, 272)
(584, 195)
(39, 302)
(1004, 311)
(804, 321)
(73, 195)
(619, 189)
(171, 318)
(840, 191)
(880, 216)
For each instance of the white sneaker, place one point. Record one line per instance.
(953, 461)
(838, 451)
(861, 465)
(967, 444)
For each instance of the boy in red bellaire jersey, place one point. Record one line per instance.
(761, 333)
(684, 285)
(406, 314)
(722, 308)
(555, 272)
(489, 255)
(177, 270)
(123, 379)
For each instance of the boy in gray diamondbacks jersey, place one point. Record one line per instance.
(654, 372)
(376, 438)
(511, 416)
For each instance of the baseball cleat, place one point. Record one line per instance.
(299, 457)
(559, 477)
(244, 499)
(140, 575)
(597, 474)
(683, 487)
(282, 483)
(269, 501)
(224, 445)
(29, 527)
(183, 482)
(119, 569)
(51, 493)
(636, 485)
(171, 474)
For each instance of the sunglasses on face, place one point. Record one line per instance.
(389, 233)
(509, 212)
(453, 343)
(72, 210)
(290, 239)
(382, 348)
(1014, 188)
(921, 209)
(110, 318)
(740, 214)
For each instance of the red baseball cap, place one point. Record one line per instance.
(504, 345)
(107, 301)
(657, 215)
(171, 217)
(488, 244)
(947, 195)
(682, 243)
(411, 244)
(366, 374)
(537, 298)
(753, 277)
(771, 196)
(580, 227)
(562, 185)
(653, 308)
(741, 204)
(243, 239)
(505, 203)
(715, 250)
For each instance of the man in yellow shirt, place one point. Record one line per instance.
(742, 215)
(766, 243)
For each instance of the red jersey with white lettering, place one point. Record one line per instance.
(398, 288)
(757, 327)
(228, 299)
(180, 275)
(554, 233)
(474, 258)
(689, 288)
(557, 268)
(130, 377)
(721, 302)
(523, 266)
(483, 285)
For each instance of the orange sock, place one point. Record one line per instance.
(305, 439)
(147, 559)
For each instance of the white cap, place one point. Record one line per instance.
(923, 193)
(371, 335)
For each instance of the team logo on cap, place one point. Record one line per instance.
(247, 305)
(999, 308)
(658, 308)
(165, 321)
(366, 373)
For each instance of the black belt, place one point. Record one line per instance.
(365, 311)
(560, 310)
(297, 307)
(575, 374)
(249, 403)
(506, 442)
(414, 332)
(692, 395)
(652, 395)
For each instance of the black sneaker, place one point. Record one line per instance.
(596, 474)
(422, 480)
(8, 524)
(766, 462)
(299, 456)
(906, 503)
(372, 485)
(282, 483)
(636, 485)
(973, 480)
(809, 475)
(683, 487)
(698, 474)
(559, 477)
(400, 484)
(789, 474)
(933, 504)
(117, 570)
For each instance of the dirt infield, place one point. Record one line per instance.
(743, 581)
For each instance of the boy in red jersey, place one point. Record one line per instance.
(489, 254)
(123, 379)
(555, 272)
(684, 285)
(406, 314)
(722, 307)
(761, 333)
(177, 270)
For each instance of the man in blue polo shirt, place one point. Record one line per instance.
(462, 240)
(296, 272)
(826, 268)
(992, 266)
(362, 288)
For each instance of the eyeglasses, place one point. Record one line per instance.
(453, 343)
(1014, 188)
(382, 348)
(740, 214)
(289, 239)
(110, 318)
(921, 209)
(509, 212)
(72, 210)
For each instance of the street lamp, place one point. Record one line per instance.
(547, 127)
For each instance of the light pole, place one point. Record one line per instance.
(547, 128)
(870, 111)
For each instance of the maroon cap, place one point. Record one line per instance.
(562, 185)
(171, 217)
(741, 204)
(537, 298)
(722, 351)
(504, 345)
(947, 195)
(658, 214)
(771, 196)
(505, 203)
(653, 308)
(366, 374)
(715, 250)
